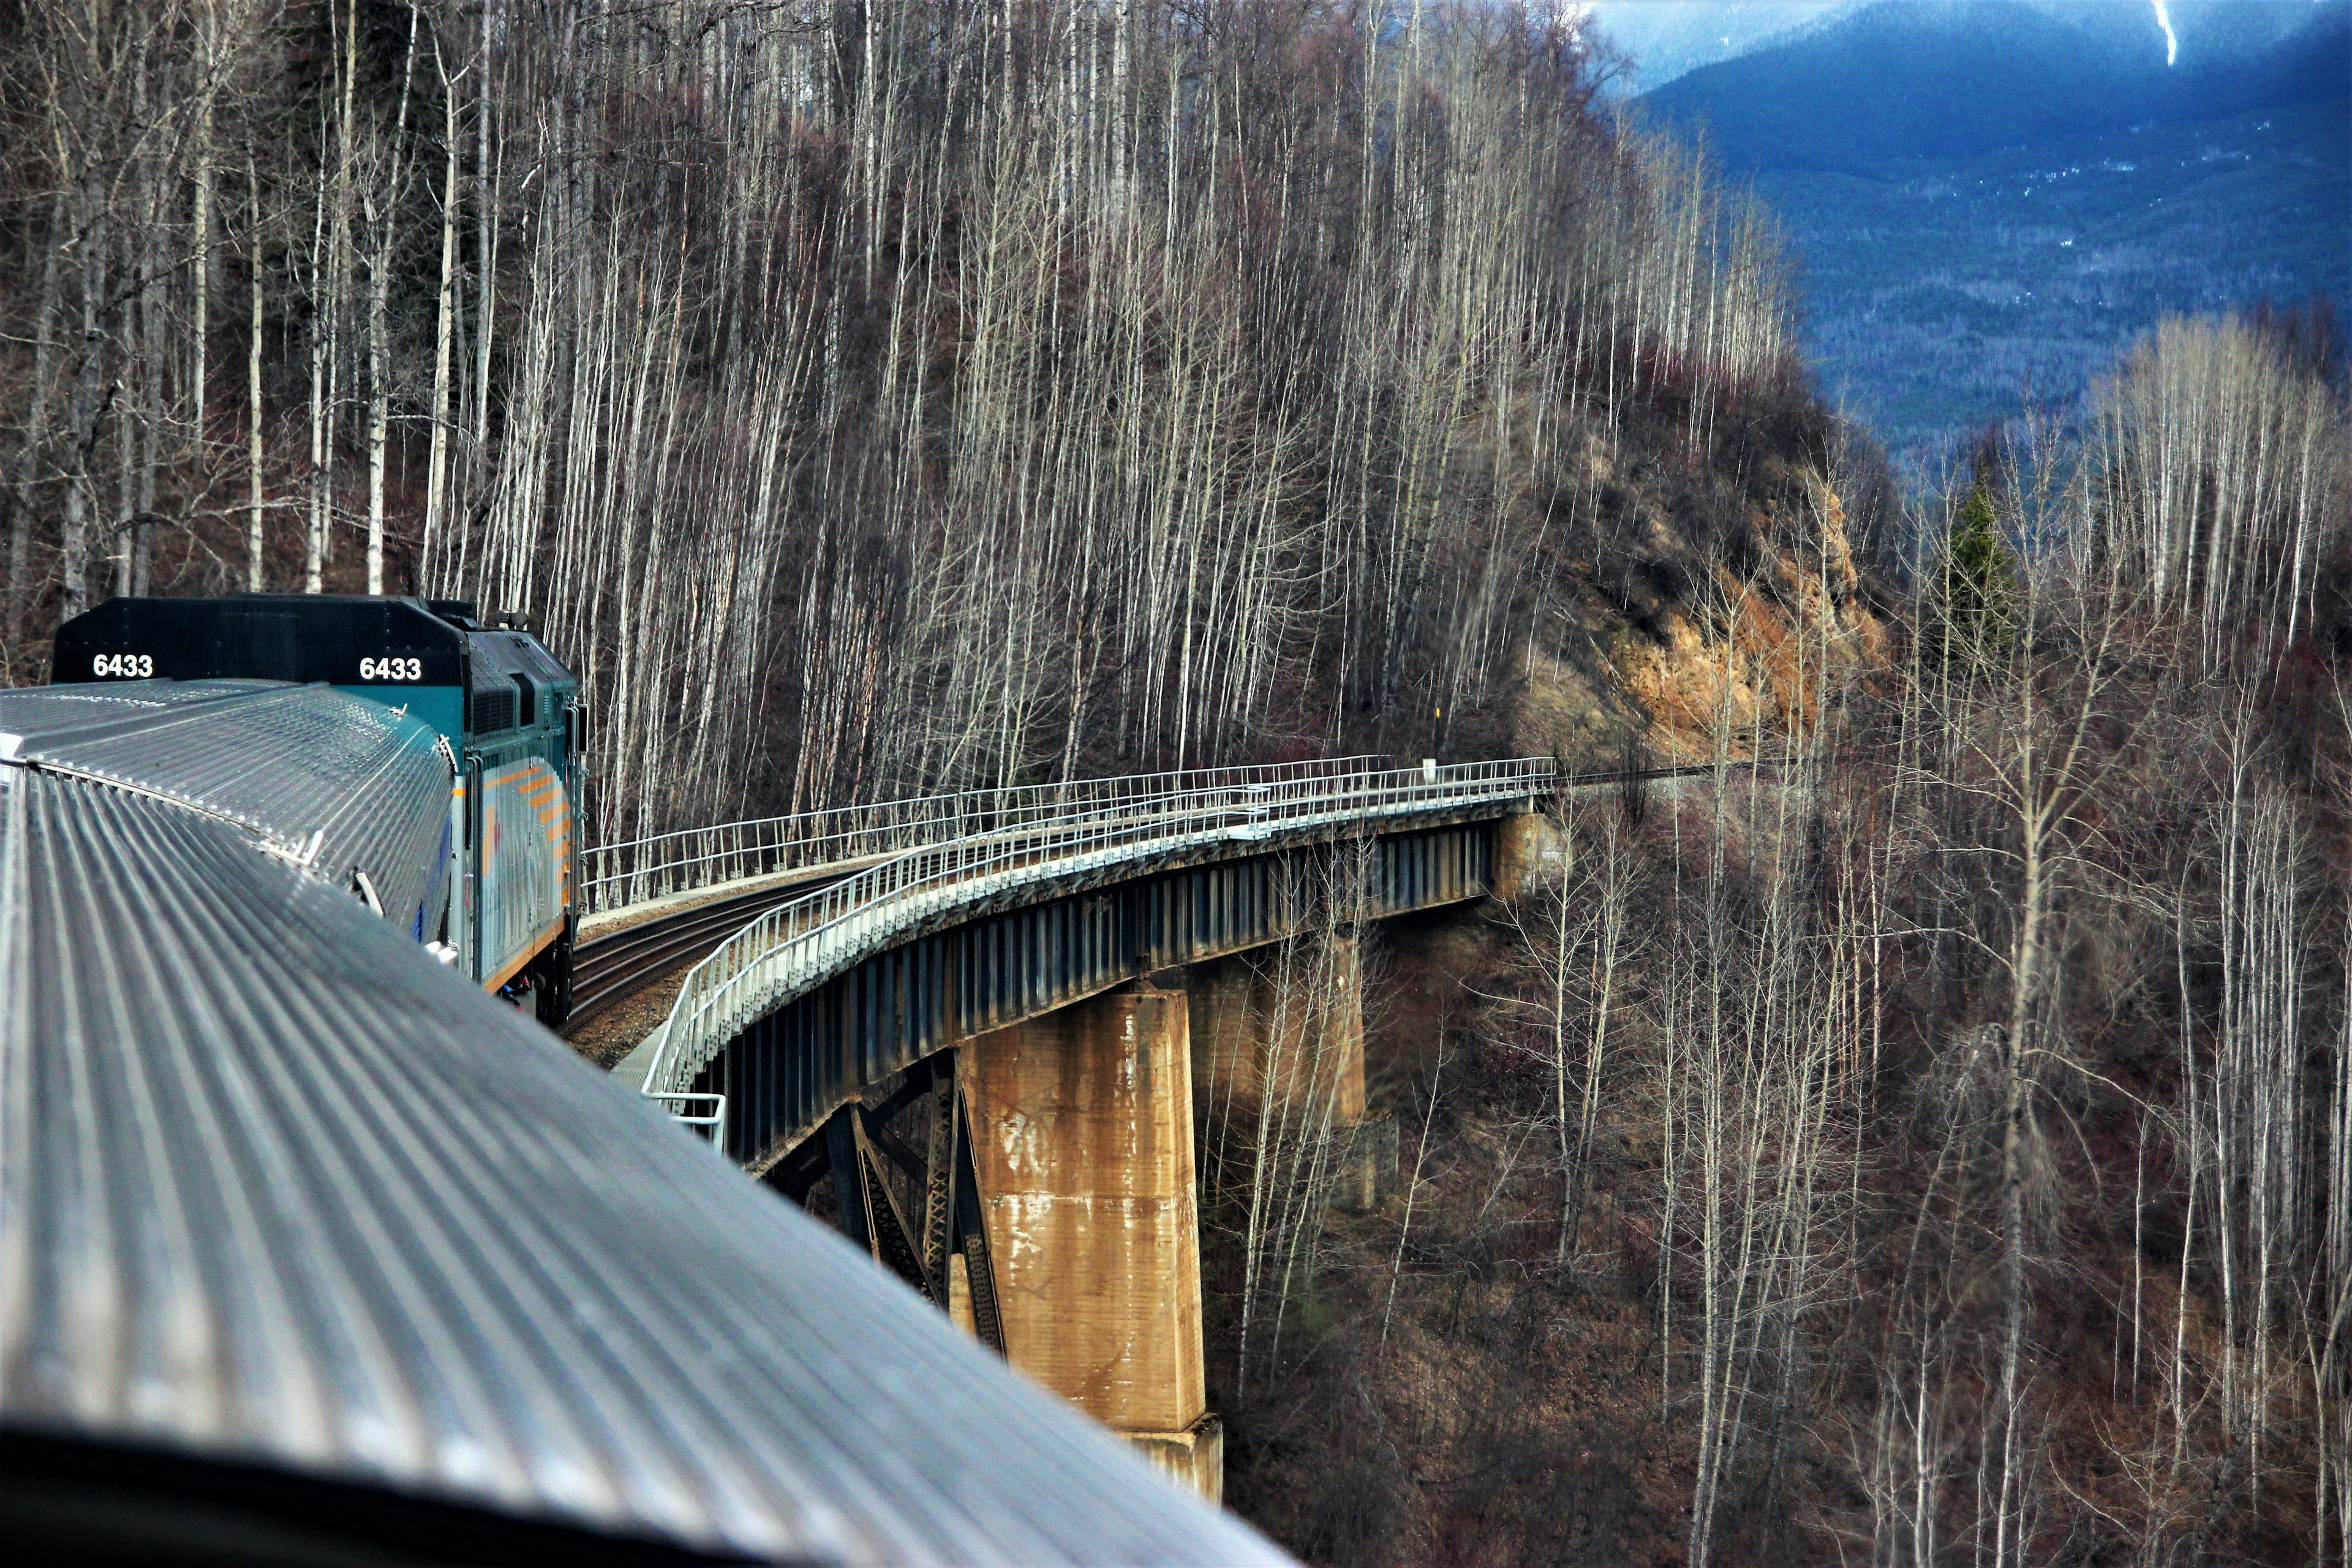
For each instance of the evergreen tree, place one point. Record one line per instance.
(1971, 609)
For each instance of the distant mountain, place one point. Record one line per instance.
(1988, 199)
(1903, 81)
(2219, 29)
(1661, 41)
(1664, 39)
(1936, 301)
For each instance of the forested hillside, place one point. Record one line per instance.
(872, 399)
(1932, 1144)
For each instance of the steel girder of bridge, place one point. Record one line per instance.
(818, 1001)
(1000, 964)
(975, 1049)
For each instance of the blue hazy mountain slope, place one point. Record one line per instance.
(1668, 38)
(1988, 198)
(1661, 39)
(1938, 295)
(1952, 78)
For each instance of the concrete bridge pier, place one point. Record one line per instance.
(1526, 843)
(1082, 1140)
(1286, 1039)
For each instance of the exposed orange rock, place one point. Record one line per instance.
(1761, 652)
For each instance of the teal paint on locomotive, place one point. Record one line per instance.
(522, 775)
(507, 708)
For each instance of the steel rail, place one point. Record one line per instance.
(790, 949)
(610, 967)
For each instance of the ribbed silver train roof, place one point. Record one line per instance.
(312, 771)
(277, 1188)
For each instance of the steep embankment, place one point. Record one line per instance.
(1461, 1374)
(1701, 651)
(1015, 395)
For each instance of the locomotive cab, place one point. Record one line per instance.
(507, 712)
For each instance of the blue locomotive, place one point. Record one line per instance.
(497, 895)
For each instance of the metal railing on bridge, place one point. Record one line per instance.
(697, 859)
(798, 945)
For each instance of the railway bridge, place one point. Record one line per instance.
(310, 1244)
(983, 1022)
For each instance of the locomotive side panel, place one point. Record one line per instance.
(526, 859)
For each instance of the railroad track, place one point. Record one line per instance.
(607, 968)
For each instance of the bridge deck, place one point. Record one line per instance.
(750, 1018)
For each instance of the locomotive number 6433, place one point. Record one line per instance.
(392, 669)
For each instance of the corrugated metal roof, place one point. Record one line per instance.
(45, 708)
(291, 764)
(275, 1187)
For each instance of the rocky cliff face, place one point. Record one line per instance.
(1684, 648)
(1774, 646)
